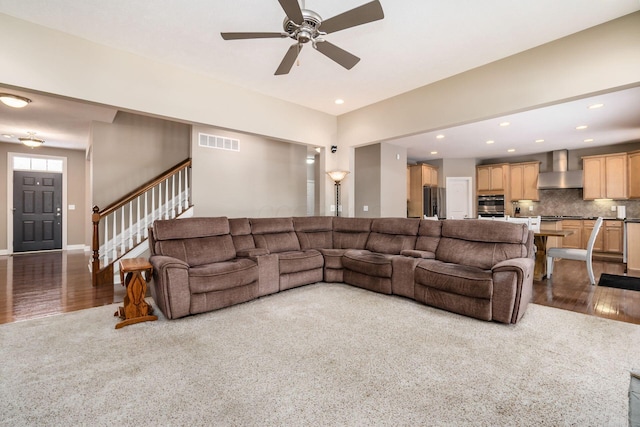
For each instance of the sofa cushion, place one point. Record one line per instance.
(274, 234)
(351, 233)
(314, 232)
(404, 226)
(240, 230)
(187, 228)
(333, 257)
(222, 275)
(296, 261)
(367, 262)
(429, 235)
(198, 251)
(455, 279)
(389, 243)
(478, 230)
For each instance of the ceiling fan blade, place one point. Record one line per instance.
(241, 36)
(364, 14)
(337, 54)
(292, 10)
(289, 59)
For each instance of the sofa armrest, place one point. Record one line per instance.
(252, 253)
(170, 288)
(418, 254)
(512, 288)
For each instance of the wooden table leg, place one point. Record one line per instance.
(135, 308)
(540, 269)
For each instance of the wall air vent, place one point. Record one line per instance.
(220, 142)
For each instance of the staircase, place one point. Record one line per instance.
(121, 229)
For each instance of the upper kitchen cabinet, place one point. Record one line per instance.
(634, 174)
(492, 179)
(605, 177)
(524, 181)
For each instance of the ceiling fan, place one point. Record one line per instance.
(303, 26)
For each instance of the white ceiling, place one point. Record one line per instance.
(417, 43)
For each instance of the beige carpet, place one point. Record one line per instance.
(319, 355)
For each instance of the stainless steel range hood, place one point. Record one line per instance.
(561, 177)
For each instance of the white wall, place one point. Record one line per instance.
(393, 181)
(266, 178)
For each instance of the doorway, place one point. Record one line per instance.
(36, 188)
(37, 211)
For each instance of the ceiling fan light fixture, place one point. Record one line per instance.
(31, 141)
(14, 101)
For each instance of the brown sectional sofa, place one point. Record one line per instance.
(481, 269)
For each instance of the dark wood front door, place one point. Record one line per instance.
(37, 211)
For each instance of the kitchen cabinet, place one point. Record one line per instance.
(633, 247)
(573, 240)
(524, 181)
(587, 228)
(634, 174)
(605, 177)
(613, 236)
(419, 177)
(492, 179)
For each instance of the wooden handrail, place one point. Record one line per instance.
(142, 189)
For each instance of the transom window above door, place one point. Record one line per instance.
(36, 164)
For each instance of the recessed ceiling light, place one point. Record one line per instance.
(6, 135)
(339, 101)
(594, 106)
(539, 140)
(505, 124)
(490, 141)
(511, 150)
(581, 127)
(588, 140)
(439, 136)
(434, 152)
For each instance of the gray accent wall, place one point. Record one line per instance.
(266, 178)
(367, 178)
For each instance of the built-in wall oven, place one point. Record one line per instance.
(491, 205)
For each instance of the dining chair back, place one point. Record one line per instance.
(585, 255)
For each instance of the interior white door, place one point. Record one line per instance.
(459, 197)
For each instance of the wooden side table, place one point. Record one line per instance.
(135, 308)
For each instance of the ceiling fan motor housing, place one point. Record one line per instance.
(305, 32)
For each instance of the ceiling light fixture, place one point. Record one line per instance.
(594, 106)
(31, 141)
(14, 101)
(539, 140)
(581, 127)
(511, 150)
(434, 152)
(504, 124)
(441, 136)
(339, 101)
(7, 135)
(490, 141)
(588, 140)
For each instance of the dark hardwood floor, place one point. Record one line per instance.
(44, 284)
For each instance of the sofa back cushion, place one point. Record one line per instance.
(241, 234)
(392, 235)
(314, 232)
(274, 234)
(480, 243)
(351, 233)
(429, 235)
(196, 241)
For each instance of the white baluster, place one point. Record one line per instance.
(146, 214)
(105, 253)
(115, 233)
(130, 224)
(173, 196)
(186, 188)
(122, 247)
(166, 198)
(138, 220)
(180, 191)
(153, 204)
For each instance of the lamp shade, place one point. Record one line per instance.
(337, 176)
(31, 141)
(14, 101)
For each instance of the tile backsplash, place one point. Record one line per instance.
(569, 202)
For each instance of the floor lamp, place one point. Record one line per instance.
(337, 176)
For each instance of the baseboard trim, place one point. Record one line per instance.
(4, 252)
(78, 248)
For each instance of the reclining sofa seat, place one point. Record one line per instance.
(479, 272)
(296, 266)
(348, 233)
(195, 267)
(372, 268)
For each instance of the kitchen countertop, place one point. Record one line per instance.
(563, 217)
